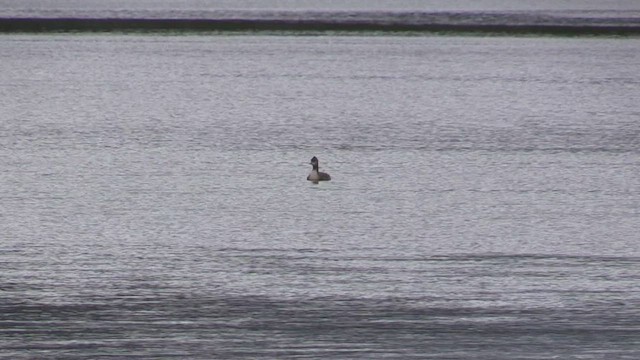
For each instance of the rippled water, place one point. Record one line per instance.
(40, 7)
(484, 201)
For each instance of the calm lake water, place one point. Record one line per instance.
(484, 201)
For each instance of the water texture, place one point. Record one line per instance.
(484, 201)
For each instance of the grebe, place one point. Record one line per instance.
(316, 175)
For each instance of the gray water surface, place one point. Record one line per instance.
(484, 201)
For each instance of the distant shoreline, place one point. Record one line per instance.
(46, 25)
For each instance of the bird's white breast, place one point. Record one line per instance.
(314, 176)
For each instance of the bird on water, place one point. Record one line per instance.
(316, 175)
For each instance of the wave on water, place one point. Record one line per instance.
(532, 22)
